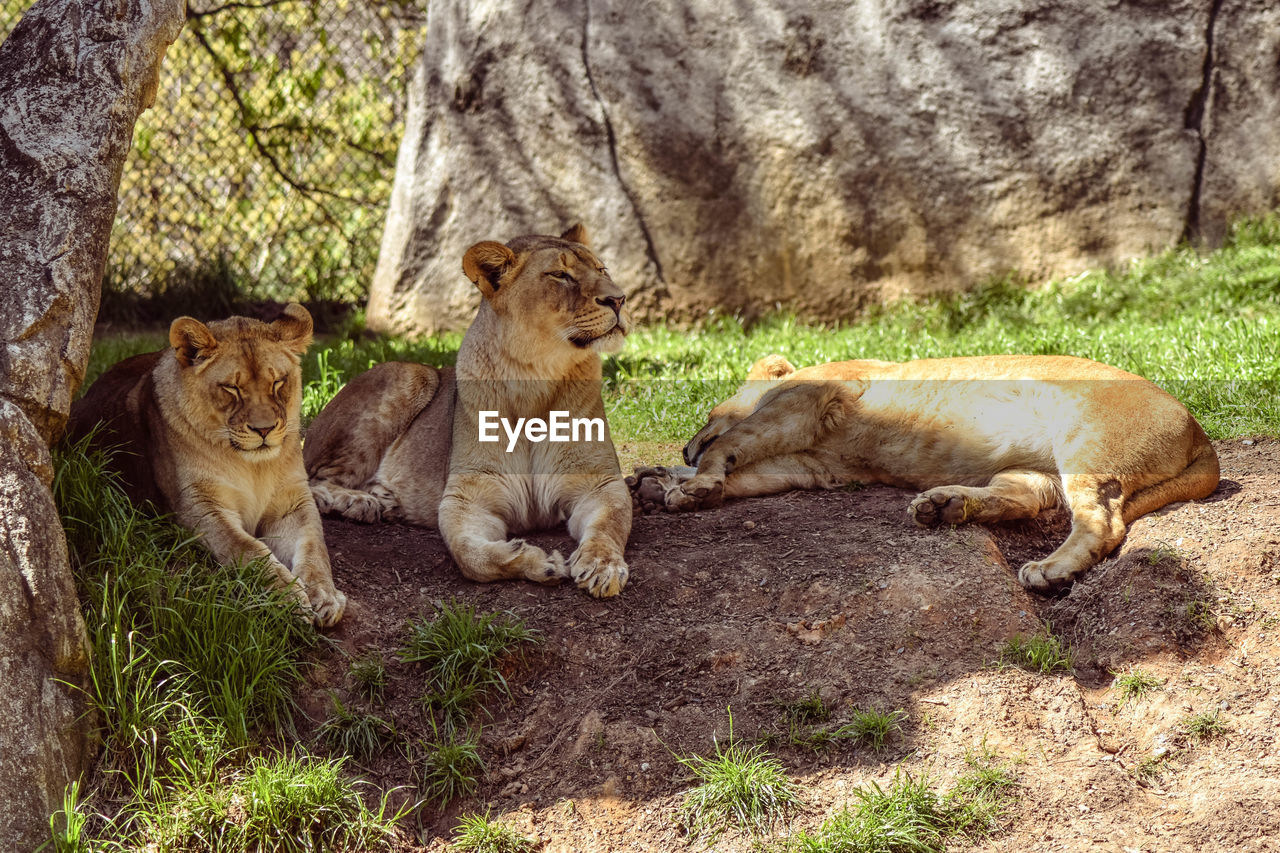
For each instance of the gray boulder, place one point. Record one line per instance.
(816, 155)
(74, 75)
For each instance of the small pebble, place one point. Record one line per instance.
(748, 525)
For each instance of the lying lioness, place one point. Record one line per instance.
(393, 444)
(990, 439)
(209, 430)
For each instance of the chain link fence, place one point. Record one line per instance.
(264, 168)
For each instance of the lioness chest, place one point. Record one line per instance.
(254, 493)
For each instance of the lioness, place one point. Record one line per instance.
(990, 438)
(209, 430)
(413, 442)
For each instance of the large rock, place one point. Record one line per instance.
(814, 155)
(74, 75)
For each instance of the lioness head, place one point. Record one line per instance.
(241, 380)
(760, 378)
(554, 290)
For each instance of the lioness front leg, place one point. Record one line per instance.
(221, 533)
(600, 521)
(297, 540)
(1010, 495)
(476, 536)
(1097, 527)
(787, 422)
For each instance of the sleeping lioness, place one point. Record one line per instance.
(454, 450)
(988, 438)
(209, 431)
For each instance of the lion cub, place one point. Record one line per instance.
(475, 452)
(988, 438)
(209, 430)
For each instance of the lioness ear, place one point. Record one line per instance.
(576, 234)
(293, 327)
(191, 340)
(484, 263)
(771, 367)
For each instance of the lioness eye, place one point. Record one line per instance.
(277, 385)
(561, 275)
(233, 390)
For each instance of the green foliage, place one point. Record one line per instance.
(67, 825)
(739, 786)
(1043, 652)
(190, 659)
(1135, 684)
(284, 803)
(351, 731)
(463, 652)
(369, 673)
(910, 817)
(266, 164)
(1206, 725)
(448, 765)
(479, 834)
(872, 728)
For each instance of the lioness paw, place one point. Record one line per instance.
(1047, 575)
(649, 486)
(940, 506)
(601, 573)
(327, 606)
(702, 492)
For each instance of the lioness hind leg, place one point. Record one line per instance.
(1097, 527)
(356, 504)
(1010, 495)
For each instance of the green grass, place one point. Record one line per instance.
(1043, 652)
(1206, 725)
(1135, 684)
(872, 728)
(910, 817)
(369, 675)
(481, 834)
(192, 663)
(353, 732)
(738, 786)
(463, 653)
(449, 765)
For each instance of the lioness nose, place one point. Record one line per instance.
(263, 431)
(614, 302)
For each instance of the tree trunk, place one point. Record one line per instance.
(74, 75)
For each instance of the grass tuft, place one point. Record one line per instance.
(1043, 652)
(448, 765)
(1207, 725)
(350, 731)
(480, 834)
(739, 786)
(872, 728)
(463, 652)
(1135, 684)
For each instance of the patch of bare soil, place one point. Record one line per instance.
(764, 601)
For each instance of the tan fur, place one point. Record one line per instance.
(988, 438)
(402, 440)
(209, 431)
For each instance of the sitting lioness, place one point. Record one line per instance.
(209, 431)
(475, 452)
(989, 438)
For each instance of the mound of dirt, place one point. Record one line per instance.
(767, 601)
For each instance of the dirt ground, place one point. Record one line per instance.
(764, 601)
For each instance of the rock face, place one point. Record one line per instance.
(73, 78)
(814, 155)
